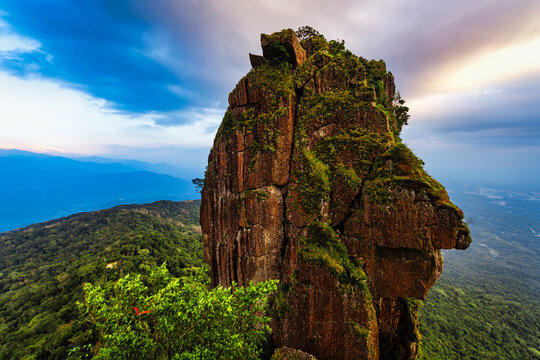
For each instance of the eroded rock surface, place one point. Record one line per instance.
(308, 182)
(285, 353)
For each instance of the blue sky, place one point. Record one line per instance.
(148, 80)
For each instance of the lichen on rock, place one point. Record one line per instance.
(309, 182)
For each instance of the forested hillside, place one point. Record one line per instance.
(43, 267)
(486, 303)
(484, 306)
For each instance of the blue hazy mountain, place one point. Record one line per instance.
(187, 172)
(36, 187)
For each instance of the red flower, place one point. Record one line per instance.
(142, 312)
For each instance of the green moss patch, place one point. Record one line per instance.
(322, 246)
(313, 183)
(358, 146)
(412, 307)
(359, 330)
(398, 166)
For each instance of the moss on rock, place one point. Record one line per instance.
(330, 122)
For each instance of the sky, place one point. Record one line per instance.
(149, 79)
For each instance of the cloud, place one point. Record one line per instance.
(96, 45)
(466, 160)
(425, 43)
(138, 70)
(505, 116)
(62, 119)
(11, 43)
(137, 54)
(495, 66)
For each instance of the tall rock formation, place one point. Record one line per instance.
(309, 182)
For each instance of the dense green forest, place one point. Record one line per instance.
(486, 303)
(43, 268)
(480, 318)
(484, 306)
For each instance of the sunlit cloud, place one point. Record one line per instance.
(434, 107)
(496, 66)
(68, 120)
(505, 112)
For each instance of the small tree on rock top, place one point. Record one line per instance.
(306, 32)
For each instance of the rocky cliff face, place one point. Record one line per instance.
(308, 182)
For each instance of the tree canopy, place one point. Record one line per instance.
(163, 317)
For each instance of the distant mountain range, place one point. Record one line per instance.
(36, 187)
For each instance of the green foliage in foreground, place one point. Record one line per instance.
(43, 268)
(162, 317)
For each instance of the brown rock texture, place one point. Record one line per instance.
(286, 353)
(273, 46)
(308, 182)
